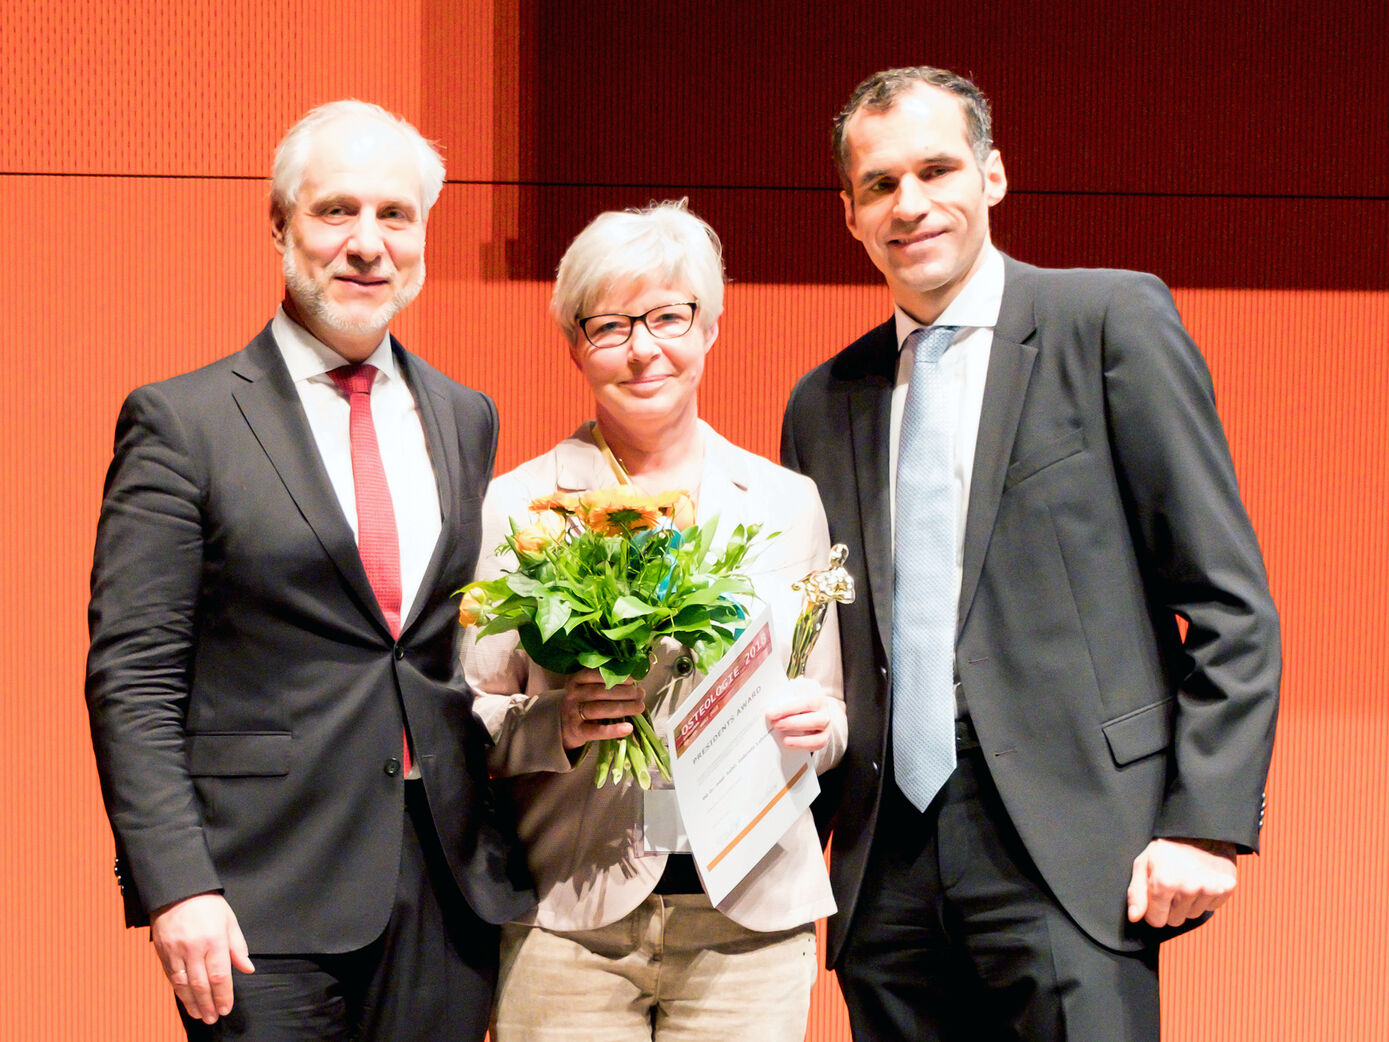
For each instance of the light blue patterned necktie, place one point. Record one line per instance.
(924, 597)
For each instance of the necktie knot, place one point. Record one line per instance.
(930, 342)
(354, 379)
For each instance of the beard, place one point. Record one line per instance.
(312, 298)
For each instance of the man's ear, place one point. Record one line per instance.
(279, 223)
(995, 179)
(849, 215)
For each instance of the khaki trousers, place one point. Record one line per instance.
(675, 968)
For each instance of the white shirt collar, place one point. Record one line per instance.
(976, 306)
(306, 356)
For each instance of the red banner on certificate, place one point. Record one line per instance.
(744, 665)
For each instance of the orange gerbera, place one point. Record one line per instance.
(615, 511)
(678, 505)
(565, 503)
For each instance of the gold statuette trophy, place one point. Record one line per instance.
(817, 590)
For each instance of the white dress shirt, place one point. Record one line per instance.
(399, 434)
(966, 364)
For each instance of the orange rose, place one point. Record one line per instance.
(614, 511)
(470, 607)
(546, 529)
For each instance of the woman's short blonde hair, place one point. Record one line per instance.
(663, 242)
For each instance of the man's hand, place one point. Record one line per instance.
(199, 942)
(1175, 880)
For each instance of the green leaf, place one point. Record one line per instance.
(551, 614)
(690, 616)
(577, 599)
(555, 656)
(636, 666)
(612, 674)
(707, 653)
(629, 607)
(704, 538)
(523, 584)
(627, 629)
(708, 595)
(576, 620)
(500, 624)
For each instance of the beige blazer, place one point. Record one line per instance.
(584, 844)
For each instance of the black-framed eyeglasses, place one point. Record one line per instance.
(665, 322)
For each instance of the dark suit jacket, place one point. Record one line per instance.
(245, 693)
(1103, 504)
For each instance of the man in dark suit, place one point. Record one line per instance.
(290, 762)
(1007, 857)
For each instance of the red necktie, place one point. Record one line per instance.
(377, 541)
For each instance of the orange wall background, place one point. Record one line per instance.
(1234, 149)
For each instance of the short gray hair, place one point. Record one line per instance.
(880, 91)
(662, 241)
(292, 154)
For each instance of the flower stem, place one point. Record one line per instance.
(655, 748)
(606, 749)
(637, 759)
(619, 765)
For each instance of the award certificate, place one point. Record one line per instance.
(738, 789)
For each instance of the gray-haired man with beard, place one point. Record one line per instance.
(292, 769)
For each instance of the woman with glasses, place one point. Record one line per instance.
(624, 943)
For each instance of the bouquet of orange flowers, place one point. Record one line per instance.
(602, 576)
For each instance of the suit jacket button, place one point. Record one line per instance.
(392, 767)
(399, 652)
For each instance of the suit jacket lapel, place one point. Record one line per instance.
(874, 371)
(1005, 388)
(440, 437)
(271, 407)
